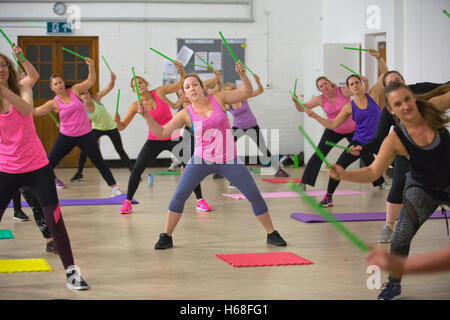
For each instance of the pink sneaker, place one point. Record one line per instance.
(126, 207)
(202, 205)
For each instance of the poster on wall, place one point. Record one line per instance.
(214, 59)
(198, 61)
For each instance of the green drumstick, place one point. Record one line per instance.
(329, 217)
(74, 53)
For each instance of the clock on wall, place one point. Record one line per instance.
(59, 8)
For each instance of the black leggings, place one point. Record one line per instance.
(87, 144)
(33, 202)
(255, 134)
(116, 140)
(347, 159)
(401, 164)
(418, 205)
(42, 182)
(313, 166)
(149, 152)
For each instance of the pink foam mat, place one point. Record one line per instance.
(263, 259)
(268, 195)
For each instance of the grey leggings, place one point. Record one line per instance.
(418, 206)
(236, 172)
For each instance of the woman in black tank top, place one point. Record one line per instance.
(422, 136)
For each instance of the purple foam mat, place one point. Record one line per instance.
(87, 202)
(347, 217)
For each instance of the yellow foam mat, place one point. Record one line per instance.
(24, 265)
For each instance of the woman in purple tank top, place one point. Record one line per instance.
(365, 112)
(244, 123)
(215, 152)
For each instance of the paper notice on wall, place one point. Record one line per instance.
(199, 62)
(184, 55)
(215, 60)
(169, 68)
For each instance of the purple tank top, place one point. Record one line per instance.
(214, 141)
(243, 117)
(366, 120)
(332, 110)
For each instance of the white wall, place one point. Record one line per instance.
(416, 35)
(294, 51)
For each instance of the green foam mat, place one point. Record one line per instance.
(167, 173)
(6, 234)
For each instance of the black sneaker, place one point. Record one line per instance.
(275, 239)
(164, 242)
(75, 281)
(51, 247)
(20, 215)
(281, 173)
(77, 177)
(302, 186)
(392, 290)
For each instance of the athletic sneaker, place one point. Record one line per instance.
(281, 173)
(385, 234)
(126, 207)
(51, 247)
(59, 184)
(115, 192)
(385, 186)
(20, 215)
(302, 186)
(164, 242)
(75, 281)
(275, 239)
(77, 177)
(392, 290)
(326, 202)
(231, 187)
(202, 205)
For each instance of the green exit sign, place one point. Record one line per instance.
(59, 27)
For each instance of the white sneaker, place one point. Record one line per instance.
(116, 192)
(385, 234)
(231, 187)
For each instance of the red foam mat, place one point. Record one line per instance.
(263, 259)
(283, 180)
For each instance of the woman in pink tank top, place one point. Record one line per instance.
(332, 100)
(23, 163)
(158, 106)
(75, 128)
(215, 151)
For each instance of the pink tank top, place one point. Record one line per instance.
(21, 150)
(162, 115)
(332, 110)
(73, 118)
(214, 141)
